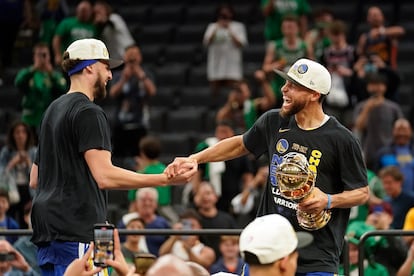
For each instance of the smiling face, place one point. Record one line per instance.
(206, 197)
(229, 246)
(295, 98)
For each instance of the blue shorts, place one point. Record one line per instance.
(54, 258)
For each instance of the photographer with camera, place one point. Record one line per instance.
(12, 263)
(39, 84)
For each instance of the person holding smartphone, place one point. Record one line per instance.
(73, 167)
(189, 247)
(81, 266)
(12, 262)
(39, 84)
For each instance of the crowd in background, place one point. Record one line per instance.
(364, 96)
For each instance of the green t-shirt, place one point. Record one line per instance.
(273, 22)
(39, 90)
(290, 56)
(375, 269)
(249, 113)
(164, 193)
(70, 29)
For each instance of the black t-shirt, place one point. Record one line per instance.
(336, 156)
(222, 220)
(68, 200)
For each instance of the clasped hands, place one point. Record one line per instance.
(181, 167)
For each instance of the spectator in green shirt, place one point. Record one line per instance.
(40, 84)
(371, 268)
(148, 163)
(73, 28)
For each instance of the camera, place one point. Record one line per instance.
(7, 256)
(103, 237)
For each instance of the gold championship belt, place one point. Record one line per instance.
(296, 182)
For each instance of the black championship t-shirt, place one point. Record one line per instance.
(334, 154)
(68, 200)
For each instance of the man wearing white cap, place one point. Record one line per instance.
(269, 245)
(73, 163)
(300, 127)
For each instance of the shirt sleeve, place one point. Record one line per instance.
(255, 139)
(93, 130)
(352, 165)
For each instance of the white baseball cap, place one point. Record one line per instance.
(309, 74)
(91, 49)
(270, 238)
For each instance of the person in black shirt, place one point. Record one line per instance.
(334, 155)
(73, 164)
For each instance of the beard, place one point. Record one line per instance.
(99, 87)
(295, 107)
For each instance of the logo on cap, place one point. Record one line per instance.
(302, 68)
(105, 52)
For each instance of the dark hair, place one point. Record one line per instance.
(290, 17)
(11, 143)
(322, 98)
(376, 78)
(321, 12)
(5, 194)
(40, 44)
(68, 64)
(338, 27)
(392, 171)
(105, 3)
(190, 214)
(150, 146)
(136, 219)
(226, 123)
(132, 46)
(226, 6)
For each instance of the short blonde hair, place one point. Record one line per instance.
(141, 191)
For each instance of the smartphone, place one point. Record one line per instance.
(186, 226)
(103, 238)
(7, 256)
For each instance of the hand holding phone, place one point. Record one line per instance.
(7, 256)
(186, 226)
(103, 237)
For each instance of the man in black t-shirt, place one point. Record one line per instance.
(73, 163)
(332, 152)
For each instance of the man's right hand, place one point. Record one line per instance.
(181, 166)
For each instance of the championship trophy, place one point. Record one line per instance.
(296, 182)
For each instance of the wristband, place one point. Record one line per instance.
(328, 206)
